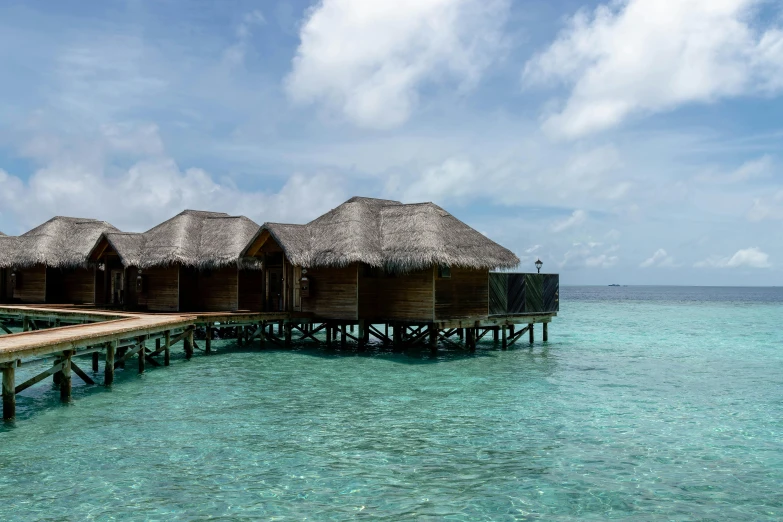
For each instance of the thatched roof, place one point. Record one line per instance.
(61, 242)
(388, 234)
(191, 238)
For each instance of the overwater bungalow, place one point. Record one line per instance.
(49, 264)
(189, 263)
(372, 260)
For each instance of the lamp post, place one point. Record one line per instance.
(539, 264)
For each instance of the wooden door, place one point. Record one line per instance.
(275, 294)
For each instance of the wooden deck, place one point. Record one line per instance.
(64, 332)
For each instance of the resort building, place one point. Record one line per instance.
(189, 263)
(374, 260)
(49, 264)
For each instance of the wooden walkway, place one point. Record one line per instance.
(122, 335)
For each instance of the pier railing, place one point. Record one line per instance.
(519, 293)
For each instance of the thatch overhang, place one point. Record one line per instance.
(203, 240)
(383, 233)
(61, 242)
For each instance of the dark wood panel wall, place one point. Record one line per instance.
(251, 287)
(464, 294)
(70, 286)
(216, 290)
(5, 285)
(333, 293)
(31, 285)
(161, 289)
(396, 297)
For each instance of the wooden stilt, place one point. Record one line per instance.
(157, 345)
(329, 335)
(343, 339)
(351, 329)
(386, 334)
(504, 337)
(261, 335)
(470, 339)
(95, 357)
(57, 377)
(530, 331)
(433, 331)
(25, 323)
(167, 348)
(65, 382)
(461, 333)
(9, 391)
(546, 333)
(108, 371)
(188, 344)
(511, 331)
(362, 335)
(288, 327)
(121, 356)
(397, 338)
(142, 358)
(208, 341)
(495, 333)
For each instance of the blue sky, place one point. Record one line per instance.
(636, 141)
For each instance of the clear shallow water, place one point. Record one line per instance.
(647, 404)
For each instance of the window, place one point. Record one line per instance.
(444, 271)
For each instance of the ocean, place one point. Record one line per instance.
(647, 403)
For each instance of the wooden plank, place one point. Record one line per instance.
(41, 376)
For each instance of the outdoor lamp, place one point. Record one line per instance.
(539, 264)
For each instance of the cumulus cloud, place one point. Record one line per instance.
(151, 190)
(645, 56)
(368, 60)
(749, 257)
(582, 255)
(659, 258)
(576, 218)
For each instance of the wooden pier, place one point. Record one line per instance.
(64, 332)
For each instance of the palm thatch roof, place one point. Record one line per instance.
(204, 240)
(61, 242)
(384, 233)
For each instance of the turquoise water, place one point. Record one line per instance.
(646, 404)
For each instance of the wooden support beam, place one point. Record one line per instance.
(41, 376)
(95, 357)
(120, 363)
(9, 391)
(82, 375)
(288, 329)
(328, 335)
(531, 332)
(120, 354)
(308, 331)
(433, 333)
(343, 334)
(5, 328)
(470, 339)
(504, 336)
(261, 335)
(208, 341)
(545, 333)
(397, 338)
(65, 382)
(461, 333)
(362, 335)
(188, 343)
(108, 370)
(495, 333)
(142, 355)
(167, 348)
(25, 323)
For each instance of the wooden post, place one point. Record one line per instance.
(167, 348)
(108, 371)
(511, 330)
(385, 334)
(342, 336)
(188, 343)
(65, 383)
(261, 335)
(57, 377)
(397, 338)
(9, 391)
(157, 345)
(495, 333)
(531, 333)
(546, 333)
(208, 341)
(351, 329)
(25, 323)
(120, 354)
(504, 337)
(362, 334)
(142, 353)
(95, 357)
(433, 339)
(328, 335)
(470, 339)
(288, 328)
(461, 333)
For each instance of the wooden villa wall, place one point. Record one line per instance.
(32, 285)
(398, 297)
(464, 294)
(333, 294)
(70, 286)
(251, 287)
(161, 289)
(5, 285)
(217, 290)
(131, 296)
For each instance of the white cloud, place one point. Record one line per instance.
(577, 218)
(749, 257)
(152, 189)
(659, 258)
(584, 256)
(763, 167)
(645, 56)
(532, 249)
(601, 261)
(767, 208)
(367, 60)
(235, 55)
